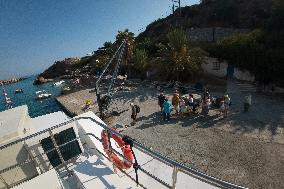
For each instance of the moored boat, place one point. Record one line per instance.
(19, 91)
(42, 95)
(58, 83)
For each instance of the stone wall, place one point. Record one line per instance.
(209, 35)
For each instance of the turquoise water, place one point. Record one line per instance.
(36, 107)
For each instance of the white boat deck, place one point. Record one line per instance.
(93, 170)
(48, 180)
(153, 166)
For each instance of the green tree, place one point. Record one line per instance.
(140, 59)
(260, 52)
(178, 57)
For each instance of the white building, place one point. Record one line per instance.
(213, 66)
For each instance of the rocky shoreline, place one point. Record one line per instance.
(10, 81)
(41, 80)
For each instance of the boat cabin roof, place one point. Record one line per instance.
(13, 122)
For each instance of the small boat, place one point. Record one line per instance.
(58, 83)
(66, 89)
(19, 91)
(42, 95)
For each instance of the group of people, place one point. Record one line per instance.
(187, 105)
(222, 103)
(179, 105)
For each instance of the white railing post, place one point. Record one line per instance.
(174, 177)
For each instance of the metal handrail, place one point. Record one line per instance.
(29, 160)
(181, 167)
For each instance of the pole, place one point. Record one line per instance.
(179, 8)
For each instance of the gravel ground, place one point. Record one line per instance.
(244, 148)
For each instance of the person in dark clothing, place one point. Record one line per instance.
(206, 94)
(161, 100)
(133, 112)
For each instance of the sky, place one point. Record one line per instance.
(36, 33)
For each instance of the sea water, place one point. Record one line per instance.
(36, 107)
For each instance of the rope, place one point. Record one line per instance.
(136, 166)
(103, 104)
(114, 76)
(109, 64)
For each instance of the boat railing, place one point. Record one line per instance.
(176, 166)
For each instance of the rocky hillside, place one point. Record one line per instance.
(214, 13)
(68, 68)
(247, 34)
(60, 68)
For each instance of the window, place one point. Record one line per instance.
(216, 65)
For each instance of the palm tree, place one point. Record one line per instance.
(129, 38)
(177, 55)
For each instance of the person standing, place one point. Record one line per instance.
(222, 107)
(161, 100)
(183, 107)
(190, 102)
(247, 103)
(206, 106)
(176, 101)
(227, 103)
(134, 110)
(166, 109)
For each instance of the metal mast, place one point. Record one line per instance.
(103, 101)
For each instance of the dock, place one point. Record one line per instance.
(74, 103)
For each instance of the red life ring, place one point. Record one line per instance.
(126, 150)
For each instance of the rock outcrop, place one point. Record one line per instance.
(41, 80)
(10, 81)
(60, 68)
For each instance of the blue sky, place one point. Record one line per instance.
(35, 33)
